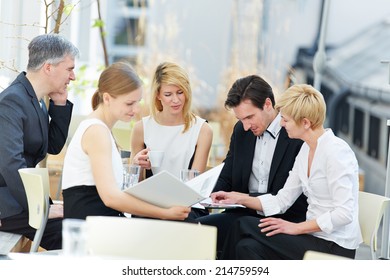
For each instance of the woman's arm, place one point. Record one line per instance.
(245, 199)
(272, 226)
(137, 139)
(138, 152)
(203, 146)
(96, 143)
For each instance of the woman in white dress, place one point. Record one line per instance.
(172, 127)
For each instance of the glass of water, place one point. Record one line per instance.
(74, 238)
(131, 174)
(188, 174)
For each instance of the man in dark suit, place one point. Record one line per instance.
(260, 154)
(28, 134)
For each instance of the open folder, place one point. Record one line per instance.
(166, 190)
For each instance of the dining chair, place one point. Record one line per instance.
(55, 163)
(138, 238)
(315, 255)
(36, 185)
(13, 242)
(371, 210)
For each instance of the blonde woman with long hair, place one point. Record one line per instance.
(172, 126)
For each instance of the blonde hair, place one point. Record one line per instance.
(117, 79)
(170, 73)
(303, 101)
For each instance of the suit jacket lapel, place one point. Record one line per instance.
(43, 117)
(250, 143)
(280, 150)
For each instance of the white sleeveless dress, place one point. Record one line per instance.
(178, 147)
(77, 169)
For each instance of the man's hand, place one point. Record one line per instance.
(59, 98)
(56, 211)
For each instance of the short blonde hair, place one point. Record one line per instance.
(170, 73)
(303, 101)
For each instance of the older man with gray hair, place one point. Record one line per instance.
(29, 130)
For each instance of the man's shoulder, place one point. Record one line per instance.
(288, 144)
(239, 129)
(15, 88)
(14, 95)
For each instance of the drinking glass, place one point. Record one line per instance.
(74, 238)
(188, 174)
(131, 174)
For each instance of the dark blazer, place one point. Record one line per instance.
(238, 166)
(26, 136)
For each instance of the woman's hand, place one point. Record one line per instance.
(228, 197)
(177, 213)
(272, 226)
(142, 159)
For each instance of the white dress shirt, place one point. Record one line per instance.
(331, 190)
(262, 159)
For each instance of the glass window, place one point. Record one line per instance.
(130, 32)
(344, 116)
(387, 144)
(326, 92)
(358, 128)
(373, 137)
(135, 3)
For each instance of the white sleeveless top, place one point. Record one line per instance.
(77, 169)
(178, 147)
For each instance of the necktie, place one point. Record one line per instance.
(43, 107)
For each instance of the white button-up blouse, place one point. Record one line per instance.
(331, 190)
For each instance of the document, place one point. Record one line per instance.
(204, 185)
(208, 203)
(166, 190)
(205, 182)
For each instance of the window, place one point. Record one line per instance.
(127, 28)
(358, 128)
(387, 144)
(135, 3)
(129, 31)
(373, 137)
(326, 92)
(344, 116)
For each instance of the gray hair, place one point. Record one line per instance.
(49, 48)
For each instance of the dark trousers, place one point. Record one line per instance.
(197, 213)
(223, 221)
(246, 242)
(52, 236)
